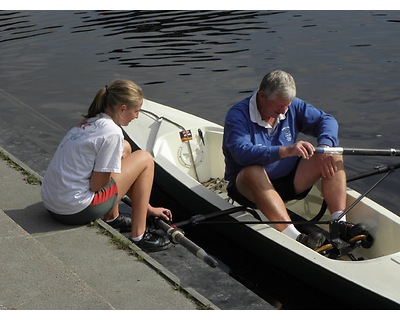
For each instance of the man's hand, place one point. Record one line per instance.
(327, 165)
(302, 149)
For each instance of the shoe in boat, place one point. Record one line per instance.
(152, 242)
(313, 240)
(350, 230)
(121, 223)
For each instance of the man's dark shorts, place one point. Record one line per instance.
(284, 186)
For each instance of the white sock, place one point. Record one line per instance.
(291, 231)
(137, 239)
(111, 220)
(336, 215)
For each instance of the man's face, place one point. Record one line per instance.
(272, 106)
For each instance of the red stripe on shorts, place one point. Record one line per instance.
(105, 194)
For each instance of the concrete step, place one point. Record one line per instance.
(47, 265)
(176, 281)
(33, 278)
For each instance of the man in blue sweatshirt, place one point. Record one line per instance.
(266, 165)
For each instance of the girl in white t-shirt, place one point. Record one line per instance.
(93, 168)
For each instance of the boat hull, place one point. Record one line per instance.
(364, 284)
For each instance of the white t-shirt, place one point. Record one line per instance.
(95, 145)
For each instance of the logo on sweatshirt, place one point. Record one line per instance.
(286, 133)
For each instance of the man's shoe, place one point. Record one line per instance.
(123, 223)
(152, 242)
(350, 230)
(313, 240)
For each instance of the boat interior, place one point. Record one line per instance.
(196, 150)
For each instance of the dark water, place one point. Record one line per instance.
(346, 62)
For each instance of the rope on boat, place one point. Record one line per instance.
(217, 185)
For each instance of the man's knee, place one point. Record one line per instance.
(252, 179)
(251, 173)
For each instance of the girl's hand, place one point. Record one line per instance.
(160, 212)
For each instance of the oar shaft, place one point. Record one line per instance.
(358, 151)
(375, 171)
(201, 217)
(177, 236)
(196, 250)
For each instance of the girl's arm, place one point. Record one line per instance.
(98, 180)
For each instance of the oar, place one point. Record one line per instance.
(194, 220)
(377, 170)
(358, 151)
(177, 236)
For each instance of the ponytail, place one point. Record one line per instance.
(98, 104)
(119, 91)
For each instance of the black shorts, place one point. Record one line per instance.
(284, 186)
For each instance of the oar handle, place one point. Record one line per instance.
(358, 151)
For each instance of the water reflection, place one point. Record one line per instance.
(174, 38)
(17, 26)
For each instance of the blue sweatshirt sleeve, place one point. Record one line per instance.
(239, 140)
(317, 123)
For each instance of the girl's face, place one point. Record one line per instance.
(126, 115)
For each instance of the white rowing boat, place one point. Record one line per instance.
(188, 156)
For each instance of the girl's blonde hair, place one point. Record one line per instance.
(118, 92)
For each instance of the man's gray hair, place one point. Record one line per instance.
(278, 83)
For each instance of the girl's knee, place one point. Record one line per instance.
(127, 149)
(141, 157)
(145, 155)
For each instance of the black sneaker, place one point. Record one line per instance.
(123, 223)
(152, 242)
(313, 240)
(350, 230)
